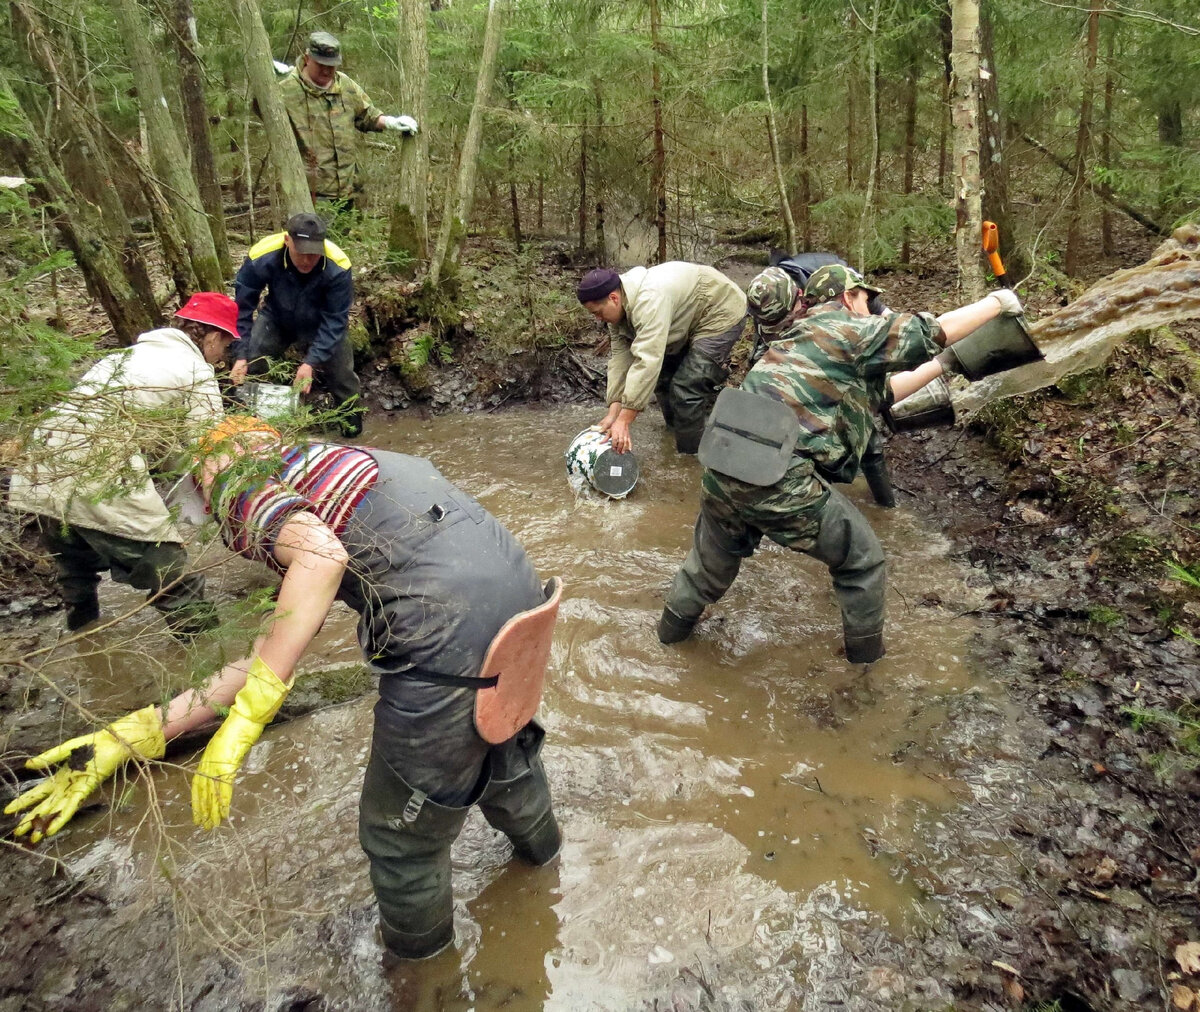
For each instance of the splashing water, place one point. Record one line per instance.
(1164, 290)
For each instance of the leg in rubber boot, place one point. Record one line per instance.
(692, 393)
(708, 571)
(848, 546)
(875, 470)
(407, 839)
(517, 798)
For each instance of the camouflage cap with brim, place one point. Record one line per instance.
(770, 296)
(830, 281)
(325, 48)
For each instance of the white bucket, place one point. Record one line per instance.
(271, 401)
(591, 460)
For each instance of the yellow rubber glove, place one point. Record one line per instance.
(138, 734)
(252, 710)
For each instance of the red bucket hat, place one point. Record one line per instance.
(213, 308)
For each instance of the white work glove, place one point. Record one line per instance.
(281, 67)
(404, 124)
(1010, 305)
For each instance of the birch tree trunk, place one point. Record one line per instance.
(789, 223)
(865, 222)
(658, 176)
(964, 57)
(1083, 142)
(79, 224)
(453, 228)
(408, 235)
(166, 152)
(261, 73)
(195, 109)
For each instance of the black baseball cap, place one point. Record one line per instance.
(307, 231)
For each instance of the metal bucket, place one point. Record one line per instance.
(591, 460)
(270, 401)
(1001, 344)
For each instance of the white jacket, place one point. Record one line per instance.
(91, 456)
(667, 307)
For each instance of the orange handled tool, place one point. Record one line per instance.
(991, 246)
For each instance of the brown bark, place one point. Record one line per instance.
(195, 117)
(597, 174)
(583, 194)
(994, 167)
(1083, 142)
(910, 141)
(946, 34)
(965, 116)
(659, 169)
(1108, 248)
(805, 181)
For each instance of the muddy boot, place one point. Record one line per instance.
(672, 628)
(516, 800)
(81, 613)
(190, 620)
(864, 648)
(875, 470)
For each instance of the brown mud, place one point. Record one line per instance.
(1070, 869)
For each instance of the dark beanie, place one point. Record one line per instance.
(597, 284)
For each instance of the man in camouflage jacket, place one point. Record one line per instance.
(776, 303)
(828, 368)
(326, 108)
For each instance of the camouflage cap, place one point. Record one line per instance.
(771, 295)
(830, 281)
(325, 48)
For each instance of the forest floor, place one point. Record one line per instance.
(1067, 504)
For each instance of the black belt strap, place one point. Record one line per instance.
(437, 678)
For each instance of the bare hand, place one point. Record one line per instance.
(237, 375)
(304, 378)
(618, 435)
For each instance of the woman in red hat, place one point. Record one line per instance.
(90, 466)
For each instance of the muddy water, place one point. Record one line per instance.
(722, 800)
(1080, 336)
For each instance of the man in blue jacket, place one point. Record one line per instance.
(309, 291)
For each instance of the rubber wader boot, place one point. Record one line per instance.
(875, 470)
(673, 629)
(863, 648)
(516, 800)
(81, 613)
(190, 620)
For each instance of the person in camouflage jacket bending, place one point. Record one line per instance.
(826, 369)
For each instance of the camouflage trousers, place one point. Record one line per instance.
(800, 512)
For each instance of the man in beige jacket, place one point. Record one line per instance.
(88, 468)
(672, 327)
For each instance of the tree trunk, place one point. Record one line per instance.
(1108, 248)
(98, 182)
(658, 177)
(166, 152)
(994, 165)
(195, 112)
(789, 222)
(408, 237)
(805, 181)
(965, 116)
(851, 124)
(946, 34)
(285, 155)
(516, 210)
(454, 225)
(910, 141)
(1083, 142)
(583, 194)
(597, 174)
(864, 221)
(81, 227)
